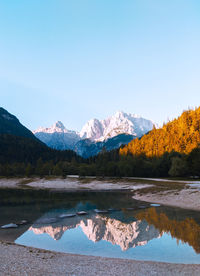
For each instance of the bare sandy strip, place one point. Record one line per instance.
(16, 260)
(186, 198)
(72, 184)
(8, 183)
(93, 185)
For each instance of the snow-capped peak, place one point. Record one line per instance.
(57, 127)
(121, 114)
(120, 122)
(92, 130)
(57, 136)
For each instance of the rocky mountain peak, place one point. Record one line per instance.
(119, 123)
(57, 127)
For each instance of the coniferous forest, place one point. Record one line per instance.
(170, 151)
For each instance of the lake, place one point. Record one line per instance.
(128, 229)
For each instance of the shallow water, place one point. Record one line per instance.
(131, 229)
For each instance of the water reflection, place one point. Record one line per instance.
(153, 233)
(187, 230)
(146, 234)
(98, 227)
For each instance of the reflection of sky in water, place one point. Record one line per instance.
(164, 248)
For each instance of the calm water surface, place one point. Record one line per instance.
(131, 229)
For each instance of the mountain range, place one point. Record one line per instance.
(96, 134)
(174, 148)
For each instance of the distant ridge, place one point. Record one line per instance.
(57, 136)
(88, 148)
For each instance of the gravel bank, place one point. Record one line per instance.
(187, 198)
(17, 260)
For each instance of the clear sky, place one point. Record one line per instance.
(73, 60)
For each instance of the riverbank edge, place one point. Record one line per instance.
(186, 197)
(20, 260)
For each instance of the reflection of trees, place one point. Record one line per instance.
(186, 230)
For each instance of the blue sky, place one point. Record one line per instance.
(80, 59)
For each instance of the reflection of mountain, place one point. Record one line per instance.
(112, 230)
(97, 227)
(186, 230)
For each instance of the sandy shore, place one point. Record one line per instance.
(18, 260)
(186, 198)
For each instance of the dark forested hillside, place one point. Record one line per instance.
(21, 156)
(180, 135)
(9, 124)
(18, 144)
(22, 149)
(21, 153)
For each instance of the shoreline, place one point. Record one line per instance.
(17, 260)
(186, 198)
(179, 193)
(20, 260)
(75, 183)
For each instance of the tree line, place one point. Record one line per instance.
(172, 150)
(110, 164)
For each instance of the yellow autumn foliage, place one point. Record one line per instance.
(180, 135)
